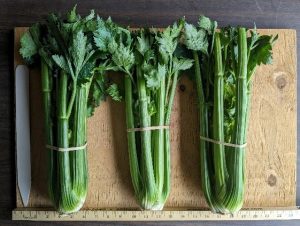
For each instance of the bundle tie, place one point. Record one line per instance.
(223, 143)
(66, 149)
(147, 128)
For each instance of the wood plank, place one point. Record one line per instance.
(271, 151)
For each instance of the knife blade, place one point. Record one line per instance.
(23, 132)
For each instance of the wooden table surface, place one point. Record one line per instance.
(136, 13)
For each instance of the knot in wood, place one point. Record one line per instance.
(281, 82)
(272, 180)
(182, 88)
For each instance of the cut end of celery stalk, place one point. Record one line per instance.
(75, 208)
(146, 205)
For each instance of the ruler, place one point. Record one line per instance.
(166, 215)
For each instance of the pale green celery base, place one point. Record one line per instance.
(146, 205)
(237, 208)
(227, 209)
(158, 206)
(75, 208)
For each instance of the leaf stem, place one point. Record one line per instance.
(146, 154)
(235, 194)
(72, 99)
(171, 98)
(133, 158)
(47, 105)
(158, 135)
(218, 121)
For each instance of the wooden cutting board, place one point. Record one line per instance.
(271, 150)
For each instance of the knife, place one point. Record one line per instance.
(23, 132)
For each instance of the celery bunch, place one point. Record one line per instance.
(151, 69)
(71, 90)
(225, 61)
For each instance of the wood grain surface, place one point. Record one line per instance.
(271, 178)
(14, 13)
